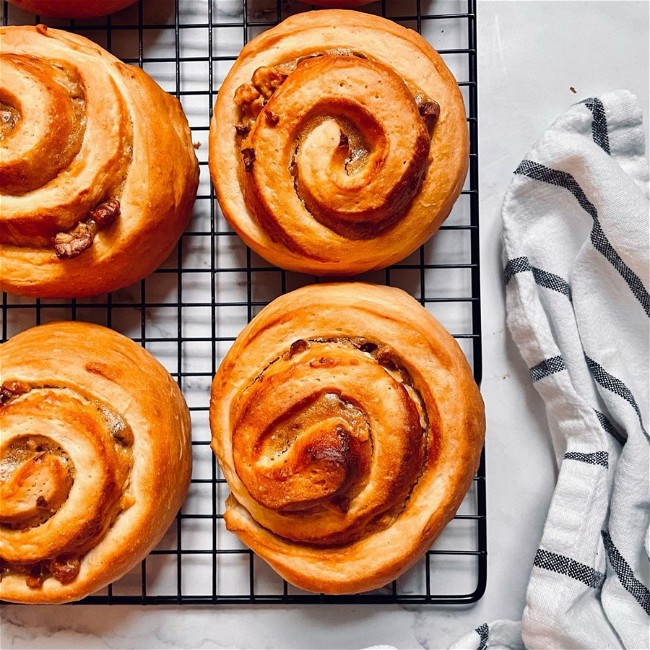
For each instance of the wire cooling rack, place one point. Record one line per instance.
(190, 310)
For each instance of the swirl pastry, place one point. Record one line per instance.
(349, 427)
(97, 169)
(72, 8)
(340, 3)
(338, 143)
(95, 459)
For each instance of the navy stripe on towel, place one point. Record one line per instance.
(542, 278)
(569, 567)
(606, 423)
(552, 281)
(483, 632)
(625, 574)
(599, 123)
(616, 386)
(600, 242)
(514, 266)
(547, 367)
(594, 458)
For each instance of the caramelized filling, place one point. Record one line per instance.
(315, 458)
(44, 133)
(35, 479)
(66, 117)
(252, 97)
(9, 117)
(367, 155)
(71, 244)
(37, 476)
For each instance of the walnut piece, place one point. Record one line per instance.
(252, 97)
(249, 100)
(267, 80)
(68, 245)
(71, 244)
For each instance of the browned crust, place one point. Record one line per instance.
(443, 377)
(417, 62)
(95, 361)
(341, 3)
(157, 200)
(72, 8)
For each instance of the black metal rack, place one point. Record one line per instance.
(190, 310)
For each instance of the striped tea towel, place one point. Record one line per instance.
(577, 272)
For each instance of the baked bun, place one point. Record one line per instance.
(72, 8)
(349, 4)
(97, 171)
(95, 459)
(349, 427)
(338, 144)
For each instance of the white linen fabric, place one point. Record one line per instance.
(577, 272)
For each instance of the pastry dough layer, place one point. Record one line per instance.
(348, 426)
(95, 459)
(97, 169)
(339, 143)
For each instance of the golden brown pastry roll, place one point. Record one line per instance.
(72, 8)
(340, 3)
(97, 169)
(348, 426)
(95, 459)
(338, 143)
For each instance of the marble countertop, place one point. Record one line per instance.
(535, 59)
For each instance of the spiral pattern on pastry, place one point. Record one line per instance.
(95, 459)
(340, 3)
(348, 426)
(339, 143)
(97, 169)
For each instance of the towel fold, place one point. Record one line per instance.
(577, 270)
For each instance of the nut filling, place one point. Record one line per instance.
(252, 97)
(340, 140)
(9, 117)
(68, 245)
(45, 531)
(323, 437)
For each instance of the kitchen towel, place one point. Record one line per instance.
(577, 272)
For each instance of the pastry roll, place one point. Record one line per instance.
(338, 143)
(349, 427)
(97, 169)
(340, 3)
(72, 8)
(95, 459)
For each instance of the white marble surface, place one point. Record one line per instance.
(531, 54)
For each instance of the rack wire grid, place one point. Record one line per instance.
(190, 310)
